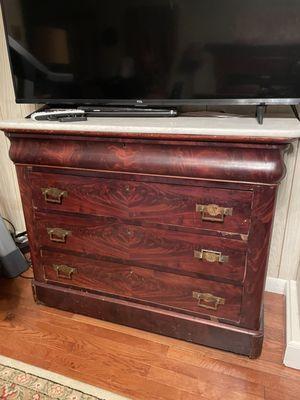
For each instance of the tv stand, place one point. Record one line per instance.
(260, 112)
(295, 111)
(262, 108)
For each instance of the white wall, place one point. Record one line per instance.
(285, 246)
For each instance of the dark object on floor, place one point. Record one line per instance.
(21, 241)
(12, 261)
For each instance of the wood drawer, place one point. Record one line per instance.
(167, 290)
(177, 205)
(148, 247)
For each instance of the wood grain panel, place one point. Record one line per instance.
(157, 203)
(150, 286)
(158, 320)
(26, 194)
(147, 247)
(214, 162)
(258, 253)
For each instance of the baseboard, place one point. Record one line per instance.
(291, 290)
(276, 285)
(292, 353)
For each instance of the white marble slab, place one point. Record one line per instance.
(272, 127)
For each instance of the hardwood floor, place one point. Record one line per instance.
(138, 364)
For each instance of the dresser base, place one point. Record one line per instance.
(168, 323)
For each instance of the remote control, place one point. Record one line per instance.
(56, 115)
(73, 119)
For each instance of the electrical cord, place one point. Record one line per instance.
(27, 277)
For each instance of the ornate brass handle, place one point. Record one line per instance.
(58, 235)
(210, 256)
(208, 300)
(213, 212)
(64, 271)
(54, 195)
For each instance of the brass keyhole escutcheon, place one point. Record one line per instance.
(213, 210)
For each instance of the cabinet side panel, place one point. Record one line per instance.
(26, 195)
(258, 252)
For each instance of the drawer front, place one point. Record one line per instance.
(177, 292)
(187, 206)
(147, 247)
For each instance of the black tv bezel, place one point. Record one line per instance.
(165, 102)
(146, 102)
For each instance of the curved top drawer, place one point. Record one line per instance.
(213, 161)
(196, 207)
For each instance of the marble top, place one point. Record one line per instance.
(199, 126)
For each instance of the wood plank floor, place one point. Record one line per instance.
(137, 364)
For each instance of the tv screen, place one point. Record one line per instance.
(154, 51)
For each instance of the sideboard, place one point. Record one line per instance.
(162, 227)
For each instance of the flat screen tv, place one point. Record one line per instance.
(154, 52)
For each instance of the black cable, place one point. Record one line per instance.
(26, 277)
(29, 269)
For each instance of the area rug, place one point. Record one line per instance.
(20, 381)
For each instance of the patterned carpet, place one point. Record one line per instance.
(19, 381)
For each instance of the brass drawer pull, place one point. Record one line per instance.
(64, 271)
(208, 301)
(54, 195)
(213, 212)
(210, 256)
(58, 235)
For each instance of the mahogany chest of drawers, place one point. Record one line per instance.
(166, 233)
